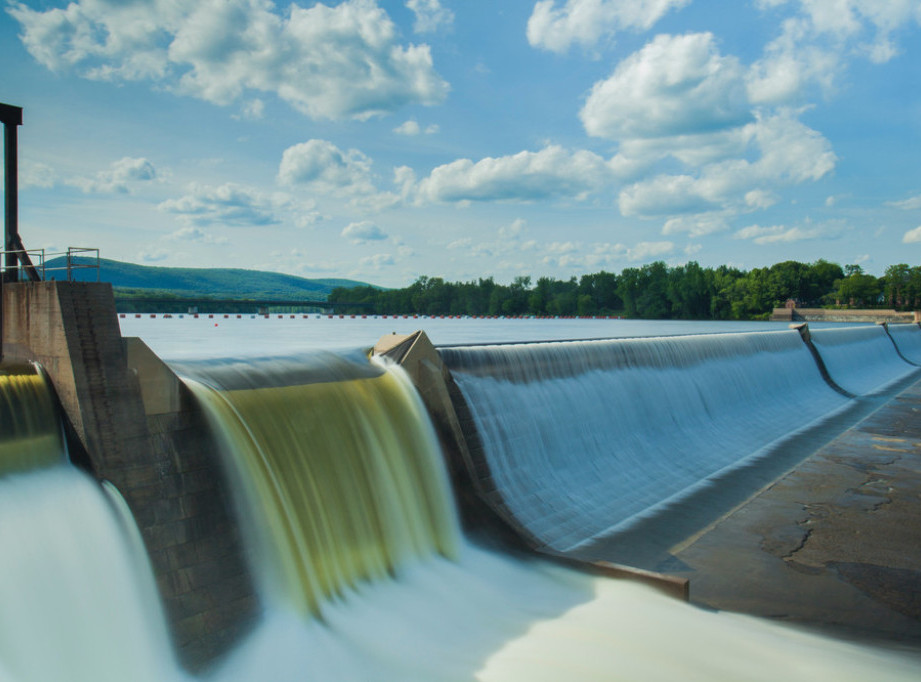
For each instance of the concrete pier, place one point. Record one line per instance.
(132, 423)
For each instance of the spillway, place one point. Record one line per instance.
(363, 570)
(30, 432)
(862, 360)
(335, 468)
(907, 339)
(585, 439)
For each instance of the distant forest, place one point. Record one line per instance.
(653, 291)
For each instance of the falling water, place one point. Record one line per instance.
(338, 467)
(862, 360)
(30, 433)
(907, 338)
(367, 576)
(585, 439)
(77, 597)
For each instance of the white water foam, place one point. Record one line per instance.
(75, 602)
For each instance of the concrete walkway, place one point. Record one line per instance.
(835, 543)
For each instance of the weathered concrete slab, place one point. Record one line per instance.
(835, 543)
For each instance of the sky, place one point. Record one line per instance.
(384, 140)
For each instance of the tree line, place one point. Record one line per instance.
(653, 291)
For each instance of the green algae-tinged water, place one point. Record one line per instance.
(342, 478)
(30, 431)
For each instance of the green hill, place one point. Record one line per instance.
(140, 280)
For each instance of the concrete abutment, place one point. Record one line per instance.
(140, 430)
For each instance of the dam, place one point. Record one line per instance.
(407, 511)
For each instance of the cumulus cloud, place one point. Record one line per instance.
(912, 236)
(361, 232)
(325, 167)
(675, 85)
(815, 44)
(227, 204)
(118, 177)
(430, 15)
(526, 176)
(327, 62)
(784, 152)
(588, 22)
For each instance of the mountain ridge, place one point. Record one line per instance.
(132, 279)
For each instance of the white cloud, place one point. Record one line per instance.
(325, 167)
(227, 204)
(252, 110)
(327, 62)
(430, 15)
(784, 234)
(526, 176)
(910, 204)
(647, 250)
(783, 150)
(696, 225)
(589, 22)
(361, 232)
(377, 261)
(195, 235)
(408, 128)
(411, 128)
(912, 236)
(675, 85)
(815, 45)
(118, 177)
(514, 230)
(33, 174)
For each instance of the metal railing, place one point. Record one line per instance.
(40, 258)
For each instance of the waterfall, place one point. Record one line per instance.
(30, 432)
(584, 439)
(77, 596)
(337, 469)
(861, 360)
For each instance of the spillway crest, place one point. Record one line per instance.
(338, 470)
(583, 439)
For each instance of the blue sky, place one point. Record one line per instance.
(383, 140)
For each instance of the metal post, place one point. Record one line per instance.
(11, 117)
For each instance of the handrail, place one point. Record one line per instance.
(71, 264)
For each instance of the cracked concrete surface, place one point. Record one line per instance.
(835, 543)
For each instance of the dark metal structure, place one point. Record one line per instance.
(16, 257)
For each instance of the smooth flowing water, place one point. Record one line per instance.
(339, 475)
(365, 575)
(585, 439)
(862, 360)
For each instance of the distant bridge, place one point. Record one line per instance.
(182, 305)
